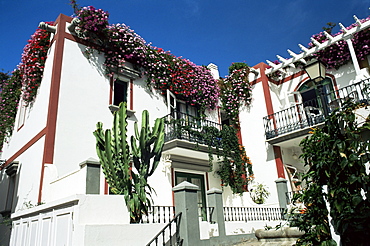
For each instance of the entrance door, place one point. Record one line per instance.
(197, 180)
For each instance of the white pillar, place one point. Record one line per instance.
(353, 56)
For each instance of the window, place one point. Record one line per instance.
(22, 114)
(198, 180)
(119, 91)
(9, 188)
(225, 119)
(179, 109)
(310, 93)
(317, 99)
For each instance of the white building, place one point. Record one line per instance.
(52, 169)
(52, 181)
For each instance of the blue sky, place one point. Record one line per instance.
(202, 31)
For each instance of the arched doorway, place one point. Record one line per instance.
(316, 98)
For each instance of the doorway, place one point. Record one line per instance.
(198, 180)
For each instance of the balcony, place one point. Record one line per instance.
(189, 140)
(296, 120)
(182, 126)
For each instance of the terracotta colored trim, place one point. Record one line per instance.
(219, 115)
(270, 112)
(291, 77)
(335, 85)
(173, 185)
(24, 148)
(106, 187)
(301, 83)
(54, 90)
(20, 127)
(239, 135)
(131, 94)
(266, 89)
(207, 182)
(279, 82)
(279, 162)
(51, 124)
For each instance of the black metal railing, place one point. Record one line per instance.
(253, 214)
(210, 218)
(159, 214)
(311, 113)
(170, 234)
(183, 126)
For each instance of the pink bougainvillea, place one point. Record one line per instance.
(25, 81)
(337, 55)
(32, 63)
(189, 82)
(9, 99)
(235, 92)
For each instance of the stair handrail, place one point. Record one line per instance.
(179, 241)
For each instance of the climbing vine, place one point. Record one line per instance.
(235, 91)
(235, 166)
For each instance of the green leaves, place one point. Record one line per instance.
(114, 154)
(335, 156)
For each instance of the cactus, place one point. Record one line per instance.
(150, 145)
(113, 151)
(114, 154)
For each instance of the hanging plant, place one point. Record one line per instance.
(10, 94)
(189, 82)
(235, 91)
(32, 63)
(24, 81)
(337, 55)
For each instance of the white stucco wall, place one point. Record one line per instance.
(259, 152)
(28, 176)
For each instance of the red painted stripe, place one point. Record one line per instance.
(51, 124)
(279, 162)
(270, 112)
(24, 148)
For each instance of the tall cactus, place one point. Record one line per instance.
(114, 154)
(150, 145)
(113, 151)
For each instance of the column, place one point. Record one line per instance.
(282, 189)
(215, 201)
(186, 203)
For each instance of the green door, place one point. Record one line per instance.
(197, 180)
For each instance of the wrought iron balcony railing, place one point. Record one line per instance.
(311, 113)
(179, 125)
